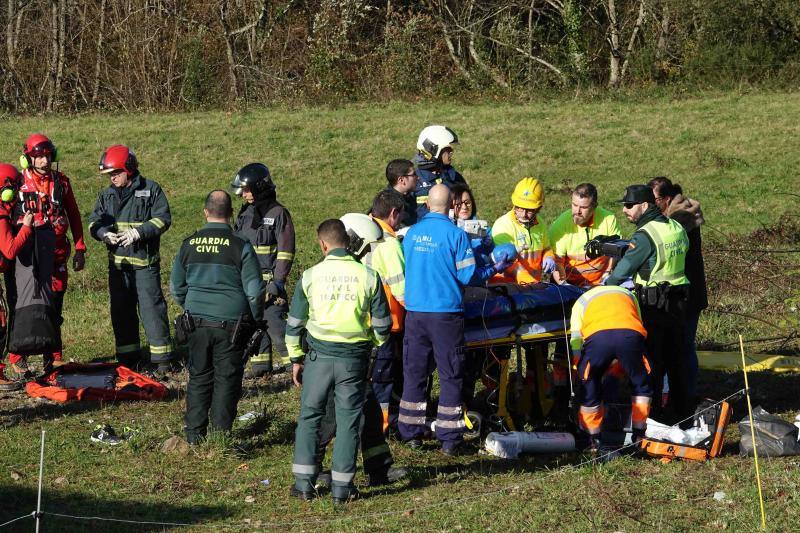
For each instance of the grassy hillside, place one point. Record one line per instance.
(737, 154)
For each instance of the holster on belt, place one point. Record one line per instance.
(184, 326)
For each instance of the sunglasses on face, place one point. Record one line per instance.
(629, 205)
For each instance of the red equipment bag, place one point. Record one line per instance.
(129, 385)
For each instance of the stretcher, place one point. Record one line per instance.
(506, 319)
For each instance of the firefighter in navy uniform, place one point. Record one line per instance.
(216, 279)
(129, 217)
(268, 226)
(656, 259)
(434, 160)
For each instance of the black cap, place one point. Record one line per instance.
(636, 194)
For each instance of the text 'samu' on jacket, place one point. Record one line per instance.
(56, 205)
(439, 264)
(386, 258)
(532, 247)
(341, 305)
(142, 206)
(268, 226)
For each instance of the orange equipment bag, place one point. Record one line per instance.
(717, 418)
(128, 385)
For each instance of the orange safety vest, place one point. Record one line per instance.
(532, 247)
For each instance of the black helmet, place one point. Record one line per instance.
(255, 177)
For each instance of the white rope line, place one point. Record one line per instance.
(30, 515)
(422, 508)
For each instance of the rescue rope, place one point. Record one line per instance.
(29, 515)
(405, 511)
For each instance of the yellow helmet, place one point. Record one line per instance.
(528, 194)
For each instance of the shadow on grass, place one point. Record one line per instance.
(21, 500)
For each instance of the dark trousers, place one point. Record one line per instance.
(666, 342)
(433, 340)
(215, 368)
(599, 350)
(140, 288)
(375, 453)
(692, 364)
(387, 377)
(273, 342)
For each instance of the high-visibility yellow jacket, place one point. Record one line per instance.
(386, 258)
(671, 245)
(532, 247)
(341, 305)
(602, 308)
(567, 240)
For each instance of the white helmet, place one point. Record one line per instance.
(433, 139)
(362, 231)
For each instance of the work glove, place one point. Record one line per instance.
(276, 289)
(129, 237)
(111, 238)
(500, 266)
(504, 253)
(628, 284)
(548, 265)
(78, 260)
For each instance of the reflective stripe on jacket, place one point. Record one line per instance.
(568, 241)
(532, 247)
(269, 228)
(142, 206)
(602, 308)
(671, 245)
(439, 264)
(341, 305)
(386, 258)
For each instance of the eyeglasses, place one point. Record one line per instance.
(412, 175)
(465, 203)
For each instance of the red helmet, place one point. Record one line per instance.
(9, 181)
(119, 157)
(37, 144)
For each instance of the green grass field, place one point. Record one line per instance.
(737, 154)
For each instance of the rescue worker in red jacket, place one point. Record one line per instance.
(48, 194)
(606, 324)
(10, 244)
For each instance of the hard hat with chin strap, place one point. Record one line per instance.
(528, 194)
(434, 139)
(362, 230)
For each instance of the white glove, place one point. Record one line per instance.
(128, 237)
(628, 284)
(111, 238)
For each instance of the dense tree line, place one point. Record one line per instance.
(63, 55)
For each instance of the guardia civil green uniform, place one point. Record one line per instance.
(341, 306)
(134, 271)
(656, 260)
(216, 277)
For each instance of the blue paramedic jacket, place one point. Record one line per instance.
(439, 264)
